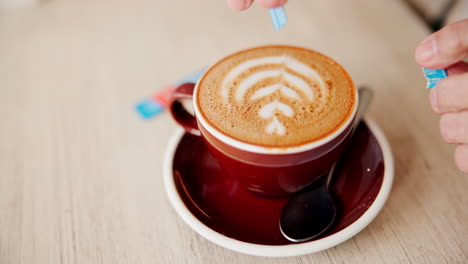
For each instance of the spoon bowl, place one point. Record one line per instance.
(312, 211)
(321, 208)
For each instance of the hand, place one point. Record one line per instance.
(240, 5)
(446, 49)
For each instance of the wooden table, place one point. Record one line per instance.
(80, 173)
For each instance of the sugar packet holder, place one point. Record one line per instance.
(434, 76)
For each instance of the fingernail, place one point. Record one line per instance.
(238, 5)
(247, 4)
(433, 99)
(275, 2)
(427, 49)
(272, 3)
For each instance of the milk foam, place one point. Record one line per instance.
(276, 96)
(268, 111)
(282, 63)
(262, 92)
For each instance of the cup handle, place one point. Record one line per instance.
(178, 111)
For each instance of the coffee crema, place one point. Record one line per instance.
(276, 96)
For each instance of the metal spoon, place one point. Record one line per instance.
(312, 211)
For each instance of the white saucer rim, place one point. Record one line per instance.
(281, 250)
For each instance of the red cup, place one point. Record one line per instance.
(269, 171)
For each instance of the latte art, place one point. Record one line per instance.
(289, 84)
(276, 96)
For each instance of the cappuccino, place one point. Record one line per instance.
(276, 96)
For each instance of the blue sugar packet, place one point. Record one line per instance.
(278, 16)
(434, 76)
(149, 108)
(159, 102)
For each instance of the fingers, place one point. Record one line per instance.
(454, 130)
(461, 157)
(454, 127)
(272, 3)
(457, 68)
(239, 5)
(445, 47)
(451, 94)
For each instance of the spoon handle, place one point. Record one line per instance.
(365, 97)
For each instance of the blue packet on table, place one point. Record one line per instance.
(157, 103)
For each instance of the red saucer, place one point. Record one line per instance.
(220, 203)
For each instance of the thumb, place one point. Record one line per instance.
(445, 47)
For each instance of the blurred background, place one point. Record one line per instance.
(439, 12)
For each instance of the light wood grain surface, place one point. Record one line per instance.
(80, 173)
